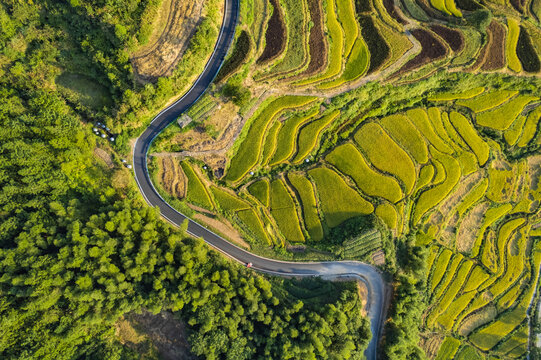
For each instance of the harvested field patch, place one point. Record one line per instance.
(526, 53)
(377, 46)
(317, 41)
(391, 10)
(172, 177)
(161, 55)
(275, 35)
(479, 318)
(362, 6)
(107, 158)
(223, 227)
(495, 58)
(240, 53)
(453, 37)
(432, 49)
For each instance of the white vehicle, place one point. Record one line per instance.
(128, 166)
(103, 136)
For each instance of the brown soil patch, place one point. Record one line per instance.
(104, 156)
(534, 171)
(168, 44)
(171, 176)
(378, 257)
(453, 37)
(477, 319)
(316, 41)
(164, 331)
(463, 189)
(275, 36)
(495, 58)
(391, 9)
(363, 296)
(469, 227)
(431, 343)
(223, 227)
(432, 49)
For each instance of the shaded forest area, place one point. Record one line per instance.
(76, 252)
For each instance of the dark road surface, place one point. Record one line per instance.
(366, 273)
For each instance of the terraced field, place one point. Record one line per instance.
(406, 119)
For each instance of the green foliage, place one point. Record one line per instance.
(238, 94)
(339, 202)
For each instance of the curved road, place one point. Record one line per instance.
(366, 273)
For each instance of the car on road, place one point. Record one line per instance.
(249, 265)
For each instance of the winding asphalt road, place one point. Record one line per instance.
(329, 270)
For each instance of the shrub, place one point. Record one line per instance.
(349, 161)
(406, 135)
(309, 205)
(339, 202)
(479, 147)
(385, 154)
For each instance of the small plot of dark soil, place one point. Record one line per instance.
(526, 53)
(469, 5)
(432, 13)
(453, 37)
(362, 6)
(239, 55)
(517, 4)
(379, 50)
(275, 36)
(391, 9)
(432, 49)
(316, 41)
(496, 52)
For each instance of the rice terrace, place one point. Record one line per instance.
(336, 179)
(371, 126)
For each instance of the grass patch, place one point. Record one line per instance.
(287, 137)
(338, 201)
(253, 225)
(361, 246)
(530, 128)
(433, 196)
(448, 348)
(260, 190)
(309, 205)
(385, 154)
(309, 135)
(479, 147)
(503, 116)
(250, 147)
(487, 101)
(450, 96)
(227, 201)
(349, 161)
(83, 90)
(513, 133)
(406, 135)
(282, 208)
(421, 121)
(513, 33)
(196, 192)
(387, 213)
